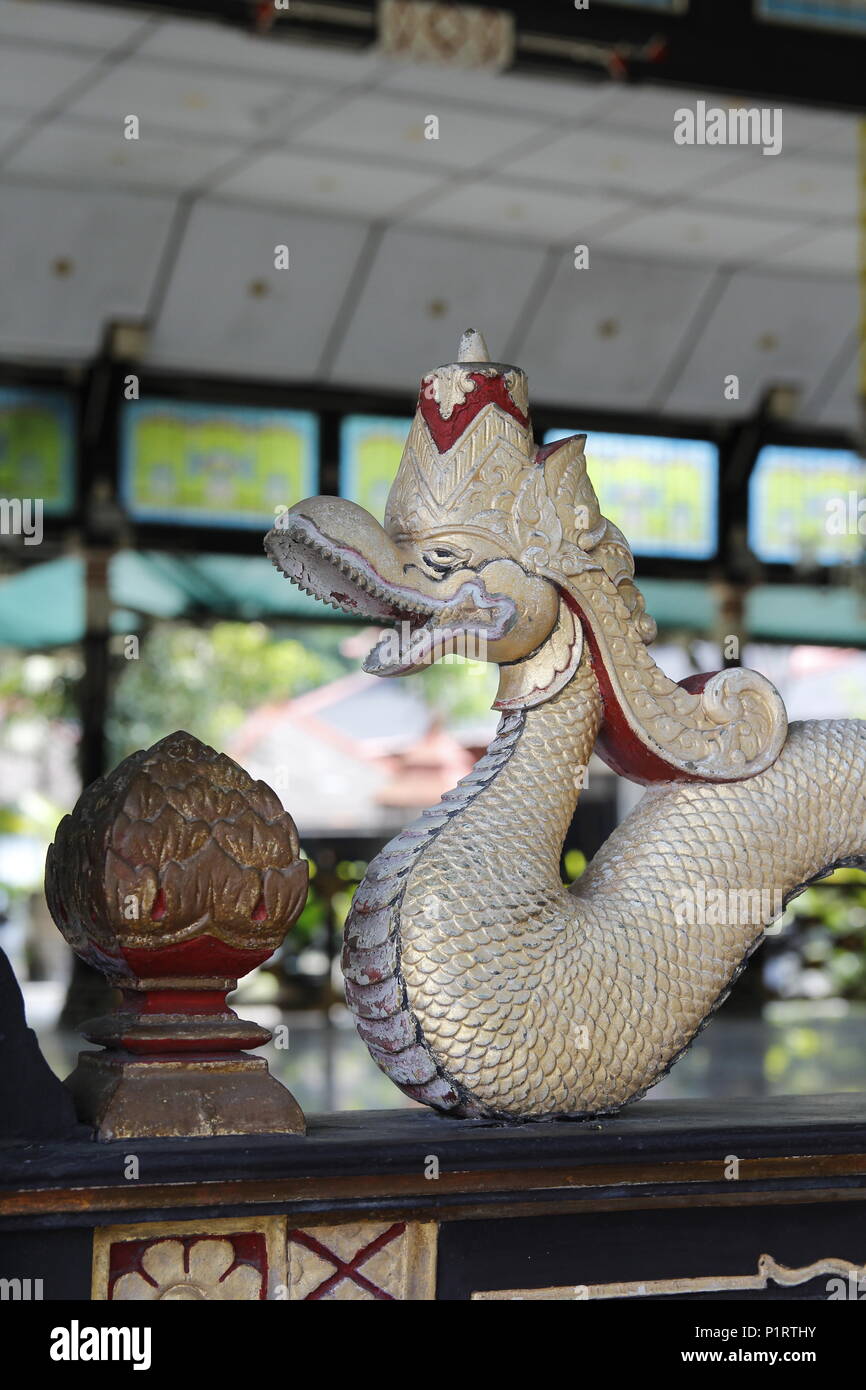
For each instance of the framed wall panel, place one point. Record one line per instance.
(210, 465)
(38, 447)
(843, 16)
(371, 447)
(807, 505)
(661, 492)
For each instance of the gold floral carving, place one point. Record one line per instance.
(207, 1269)
(529, 683)
(177, 840)
(207, 1260)
(191, 1261)
(470, 484)
(450, 385)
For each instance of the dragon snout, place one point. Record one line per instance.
(439, 598)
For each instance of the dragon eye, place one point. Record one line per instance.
(440, 559)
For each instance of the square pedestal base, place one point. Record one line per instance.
(126, 1097)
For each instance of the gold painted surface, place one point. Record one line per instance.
(768, 1270)
(480, 984)
(176, 843)
(206, 1273)
(190, 1097)
(177, 847)
(363, 1261)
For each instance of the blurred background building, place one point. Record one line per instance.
(233, 237)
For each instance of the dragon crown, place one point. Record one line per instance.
(471, 465)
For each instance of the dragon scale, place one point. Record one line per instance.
(480, 983)
(532, 999)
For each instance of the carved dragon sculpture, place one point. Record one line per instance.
(481, 985)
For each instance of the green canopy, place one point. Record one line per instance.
(43, 606)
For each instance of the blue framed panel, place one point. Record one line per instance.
(38, 447)
(843, 16)
(661, 492)
(206, 465)
(371, 447)
(807, 505)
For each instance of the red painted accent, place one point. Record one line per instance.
(618, 67)
(173, 1001)
(544, 451)
(260, 912)
(203, 955)
(174, 1049)
(250, 1248)
(348, 1270)
(695, 684)
(618, 745)
(488, 389)
(208, 1006)
(157, 912)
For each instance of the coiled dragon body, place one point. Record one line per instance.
(480, 983)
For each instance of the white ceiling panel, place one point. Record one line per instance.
(85, 26)
(423, 290)
(605, 159)
(766, 328)
(227, 308)
(512, 210)
(70, 261)
(690, 232)
(288, 142)
(606, 336)
(193, 100)
(827, 250)
(393, 127)
(10, 128)
(69, 150)
(835, 137)
(806, 187)
(651, 109)
(293, 179)
(32, 78)
(841, 408)
(206, 45)
(567, 98)
(645, 109)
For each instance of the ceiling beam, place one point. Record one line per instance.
(710, 46)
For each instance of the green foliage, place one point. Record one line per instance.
(36, 687)
(828, 931)
(461, 692)
(574, 863)
(207, 680)
(37, 695)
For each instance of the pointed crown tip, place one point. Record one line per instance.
(472, 347)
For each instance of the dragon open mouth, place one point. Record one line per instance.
(428, 617)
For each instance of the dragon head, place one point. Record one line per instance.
(495, 548)
(481, 529)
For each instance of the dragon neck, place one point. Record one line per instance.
(482, 986)
(523, 794)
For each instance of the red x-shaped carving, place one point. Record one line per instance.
(351, 1270)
